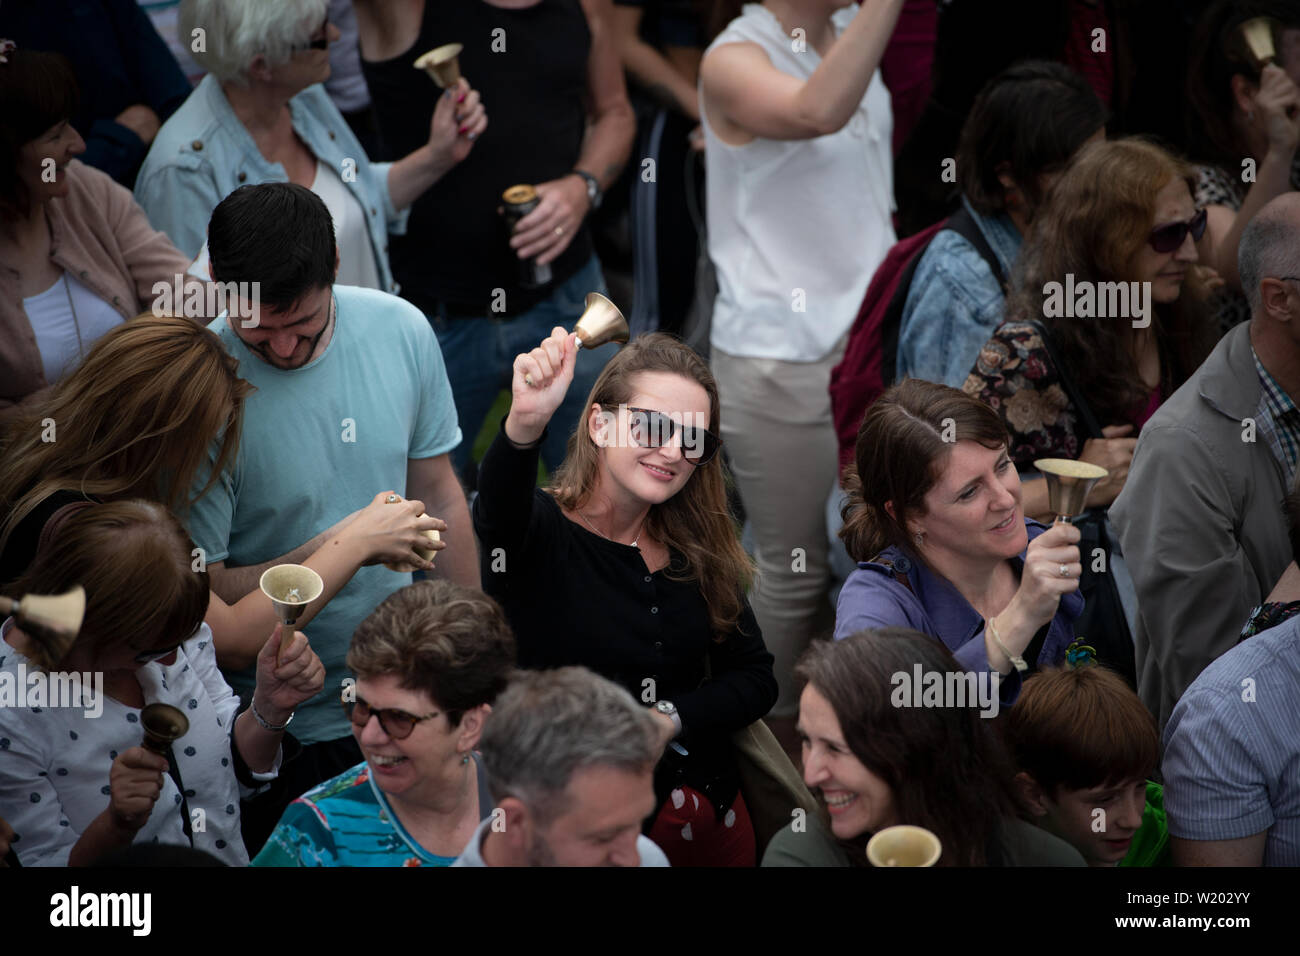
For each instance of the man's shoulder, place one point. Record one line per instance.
(1269, 656)
(380, 313)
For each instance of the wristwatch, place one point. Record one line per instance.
(669, 709)
(594, 195)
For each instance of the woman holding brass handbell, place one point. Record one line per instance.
(629, 564)
(75, 779)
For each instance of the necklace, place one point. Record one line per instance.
(607, 537)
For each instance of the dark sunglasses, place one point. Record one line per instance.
(651, 429)
(321, 44)
(398, 724)
(1170, 237)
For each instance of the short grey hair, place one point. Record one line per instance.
(548, 725)
(235, 31)
(1269, 247)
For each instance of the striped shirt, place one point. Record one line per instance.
(1281, 426)
(1232, 748)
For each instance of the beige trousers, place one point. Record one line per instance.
(779, 435)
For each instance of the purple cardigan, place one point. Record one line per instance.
(873, 597)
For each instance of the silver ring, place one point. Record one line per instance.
(559, 230)
(1065, 570)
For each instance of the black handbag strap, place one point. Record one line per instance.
(1086, 417)
(964, 224)
(174, 771)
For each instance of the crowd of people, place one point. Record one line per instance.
(777, 575)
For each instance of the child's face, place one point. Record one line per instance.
(1099, 822)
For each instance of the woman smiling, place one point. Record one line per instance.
(630, 565)
(879, 765)
(936, 523)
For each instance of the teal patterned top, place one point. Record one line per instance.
(347, 821)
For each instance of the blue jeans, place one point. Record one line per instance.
(480, 355)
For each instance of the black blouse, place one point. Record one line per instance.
(576, 598)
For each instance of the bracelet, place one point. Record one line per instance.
(1016, 660)
(266, 724)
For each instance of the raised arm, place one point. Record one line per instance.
(741, 90)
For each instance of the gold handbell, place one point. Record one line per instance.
(163, 725)
(1256, 36)
(58, 615)
(601, 323)
(1068, 485)
(426, 553)
(904, 846)
(442, 64)
(291, 587)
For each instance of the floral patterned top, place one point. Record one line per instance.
(1268, 615)
(1015, 377)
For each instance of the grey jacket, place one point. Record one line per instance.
(1200, 520)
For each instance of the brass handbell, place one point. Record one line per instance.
(291, 587)
(601, 322)
(58, 615)
(163, 725)
(442, 64)
(1068, 485)
(904, 846)
(1256, 35)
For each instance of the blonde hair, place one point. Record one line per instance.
(134, 420)
(695, 521)
(133, 559)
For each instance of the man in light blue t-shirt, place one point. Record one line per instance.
(351, 399)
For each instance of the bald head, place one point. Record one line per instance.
(1270, 246)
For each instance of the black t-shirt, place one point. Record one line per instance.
(530, 68)
(20, 548)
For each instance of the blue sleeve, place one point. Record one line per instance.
(301, 838)
(952, 308)
(437, 426)
(1215, 788)
(179, 198)
(211, 517)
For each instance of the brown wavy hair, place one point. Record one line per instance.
(1097, 217)
(946, 767)
(899, 456)
(696, 521)
(134, 420)
(450, 641)
(134, 560)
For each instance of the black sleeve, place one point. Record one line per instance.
(742, 688)
(507, 477)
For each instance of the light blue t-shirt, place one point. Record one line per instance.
(318, 443)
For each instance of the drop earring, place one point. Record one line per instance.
(919, 538)
(464, 760)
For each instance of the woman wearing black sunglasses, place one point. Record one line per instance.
(629, 563)
(1076, 369)
(75, 781)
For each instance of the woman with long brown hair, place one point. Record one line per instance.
(630, 564)
(1116, 237)
(879, 761)
(135, 421)
(935, 520)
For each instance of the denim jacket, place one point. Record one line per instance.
(204, 153)
(873, 597)
(955, 302)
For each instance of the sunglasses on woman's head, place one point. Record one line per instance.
(397, 724)
(651, 429)
(1170, 237)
